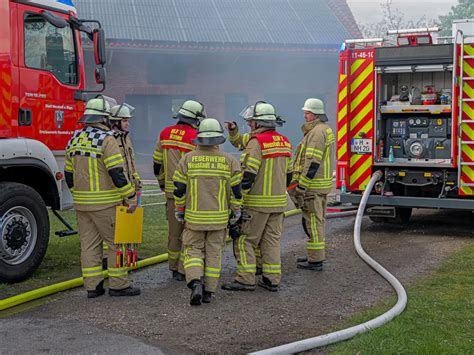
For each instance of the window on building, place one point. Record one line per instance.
(50, 48)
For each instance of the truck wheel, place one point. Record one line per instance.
(24, 231)
(403, 215)
(379, 219)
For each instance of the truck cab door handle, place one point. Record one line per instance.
(25, 117)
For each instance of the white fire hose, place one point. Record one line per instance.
(348, 333)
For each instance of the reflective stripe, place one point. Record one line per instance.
(253, 163)
(243, 256)
(264, 201)
(314, 229)
(113, 160)
(173, 255)
(158, 156)
(206, 217)
(268, 177)
(212, 272)
(117, 272)
(126, 190)
(249, 268)
(69, 166)
(313, 152)
(315, 246)
(209, 172)
(272, 268)
(92, 271)
(193, 262)
(236, 179)
(169, 186)
(170, 144)
(178, 176)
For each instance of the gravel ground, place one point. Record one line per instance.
(308, 303)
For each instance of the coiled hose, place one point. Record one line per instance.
(348, 333)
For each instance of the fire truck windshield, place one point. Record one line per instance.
(50, 48)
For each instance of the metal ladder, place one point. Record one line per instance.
(465, 166)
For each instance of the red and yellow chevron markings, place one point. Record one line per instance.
(361, 113)
(467, 127)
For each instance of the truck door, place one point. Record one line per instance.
(49, 75)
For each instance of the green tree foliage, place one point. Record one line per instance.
(463, 10)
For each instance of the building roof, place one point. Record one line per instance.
(224, 23)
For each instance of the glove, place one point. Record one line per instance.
(179, 215)
(131, 208)
(235, 217)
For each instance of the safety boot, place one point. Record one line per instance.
(237, 286)
(178, 276)
(316, 266)
(267, 284)
(301, 259)
(99, 291)
(206, 297)
(129, 291)
(196, 293)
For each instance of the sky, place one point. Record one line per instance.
(368, 11)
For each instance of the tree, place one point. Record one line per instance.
(393, 19)
(463, 10)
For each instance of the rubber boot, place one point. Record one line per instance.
(196, 293)
(317, 266)
(237, 286)
(267, 284)
(178, 276)
(99, 291)
(129, 291)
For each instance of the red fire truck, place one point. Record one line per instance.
(42, 94)
(407, 109)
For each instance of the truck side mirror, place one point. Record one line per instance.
(100, 75)
(99, 46)
(55, 20)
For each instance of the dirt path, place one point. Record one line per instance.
(308, 303)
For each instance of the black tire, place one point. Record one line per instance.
(18, 197)
(403, 215)
(379, 219)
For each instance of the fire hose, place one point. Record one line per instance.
(344, 334)
(77, 282)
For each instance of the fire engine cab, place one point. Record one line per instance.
(407, 108)
(42, 94)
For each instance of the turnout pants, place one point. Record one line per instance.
(95, 228)
(261, 230)
(175, 244)
(314, 219)
(202, 256)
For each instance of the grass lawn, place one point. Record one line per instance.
(62, 261)
(439, 318)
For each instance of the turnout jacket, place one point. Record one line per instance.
(238, 140)
(208, 187)
(172, 144)
(128, 153)
(267, 171)
(94, 170)
(312, 164)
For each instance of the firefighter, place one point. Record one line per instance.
(119, 118)
(240, 141)
(94, 173)
(120, 114)
(208, 189)
(267, 171)
(173, 142)
(313, 181)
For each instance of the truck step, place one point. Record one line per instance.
(466, 185)
(467, 78)
(468, 57)
(468, 100)
(467, 142)
(467, 121)
(467, 163)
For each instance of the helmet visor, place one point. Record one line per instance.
(248, 112)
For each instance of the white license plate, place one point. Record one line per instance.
(361, 146)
